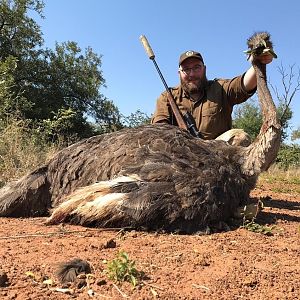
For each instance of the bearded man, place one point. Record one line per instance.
(210, 102)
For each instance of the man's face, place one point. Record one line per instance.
(192, 75)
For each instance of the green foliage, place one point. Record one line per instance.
(249, 214)
(51, 88)
(136, 119)
(69, 79)
(288, 156)
(7, 67)
(247, 116)
(10, 102)
(254, 227)
(65, 123)
(122, 269)
(285, 114)
(19, 33)
(295, 134)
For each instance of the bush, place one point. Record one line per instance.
(123, 269)
(288, 157)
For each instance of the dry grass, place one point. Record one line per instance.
(292, 175)
(21, 150)
(282, 181)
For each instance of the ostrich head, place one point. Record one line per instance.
(260, 43)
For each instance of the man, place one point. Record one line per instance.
(210, 102)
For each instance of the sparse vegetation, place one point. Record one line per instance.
(288, 157)
(277, 176)
(249, 214)
(282, 181)
(123, 269)
(255, 227)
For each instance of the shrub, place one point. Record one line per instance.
(122, 269)
(288, 157)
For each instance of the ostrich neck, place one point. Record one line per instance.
(263, 151)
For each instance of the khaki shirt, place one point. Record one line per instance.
(212, 113)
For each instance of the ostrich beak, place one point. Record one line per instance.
(260, 51)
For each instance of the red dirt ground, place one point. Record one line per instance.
(237, 264)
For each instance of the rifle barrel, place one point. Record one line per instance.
(186, 123)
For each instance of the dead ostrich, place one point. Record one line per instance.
(153, 177)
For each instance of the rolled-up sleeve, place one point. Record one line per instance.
(235, 90)
(162, 110)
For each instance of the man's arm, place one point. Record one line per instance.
(162, 110)
(250, 76)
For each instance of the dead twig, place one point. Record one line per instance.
(64, 232)
(122, 294)
(197, 286)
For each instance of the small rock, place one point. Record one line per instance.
(111, 244)
(101, 282)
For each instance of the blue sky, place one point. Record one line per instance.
(217, 29)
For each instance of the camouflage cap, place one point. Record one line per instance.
(189, 54)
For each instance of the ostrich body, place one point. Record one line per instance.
(153, 177)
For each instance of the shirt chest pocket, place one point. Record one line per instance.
(211, 121)
(211, 111)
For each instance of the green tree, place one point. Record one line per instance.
(247, 116)
(19, 33)
(70, 80)
(288, 156)
(61, 85)
(296, 134)
(285, 114)
(7, 67)
(136, 119)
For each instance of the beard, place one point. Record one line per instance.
(194, 86)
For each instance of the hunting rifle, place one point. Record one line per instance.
(186, 121)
